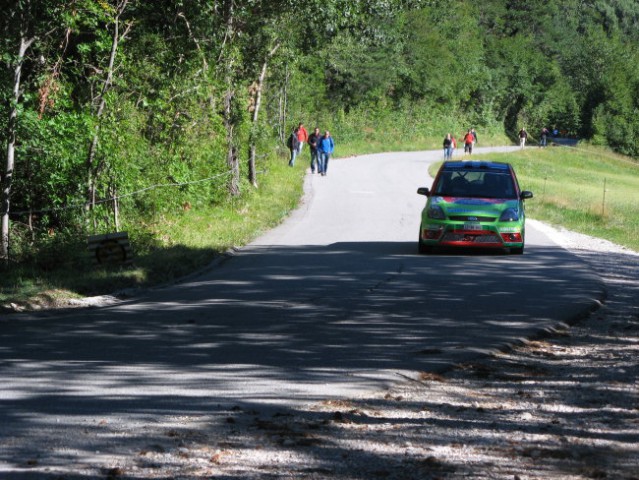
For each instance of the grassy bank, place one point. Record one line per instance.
(165, 249)
(584, 189)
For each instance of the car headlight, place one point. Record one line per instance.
(436, 212)
(509, 215)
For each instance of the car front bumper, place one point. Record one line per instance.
(473, 235)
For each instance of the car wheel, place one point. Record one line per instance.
(517, 251)
(423, 248)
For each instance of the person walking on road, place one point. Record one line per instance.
(469, 140)
(474, 133)
(293, 145)
(448, 147)
(313, 144)
(544, 137)
(325, 148)
(302, 136)
(523, 136)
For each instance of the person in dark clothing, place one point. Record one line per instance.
(448, 147)
(523, 136)
(543, 141)
(313, 143)
(293, 145)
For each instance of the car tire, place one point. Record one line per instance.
(421, 248)
(424, 248)
(517, 251)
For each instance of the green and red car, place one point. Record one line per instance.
(476, 205)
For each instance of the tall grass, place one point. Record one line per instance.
(585, 189)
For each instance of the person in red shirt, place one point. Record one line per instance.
(302, 136)
(469, 139)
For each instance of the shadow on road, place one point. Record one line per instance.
(272, 326)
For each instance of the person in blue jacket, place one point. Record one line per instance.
(325, 148)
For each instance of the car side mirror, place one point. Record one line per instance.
(423, 191)
(526, 195)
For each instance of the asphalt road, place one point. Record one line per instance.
(333, 303)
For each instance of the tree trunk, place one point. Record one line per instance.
(116, 206)
(11, 143)
(231, 156)
(92, 167)
(229, 122)
(256, 111)
(283, 104)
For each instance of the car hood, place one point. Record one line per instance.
(474, 206)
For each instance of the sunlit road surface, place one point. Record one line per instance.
(335, 302)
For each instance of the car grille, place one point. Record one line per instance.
(460, 237)
(470, 218)
(487, 239)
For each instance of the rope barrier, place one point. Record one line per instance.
(118, 197)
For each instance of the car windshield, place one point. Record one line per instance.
(474, 183)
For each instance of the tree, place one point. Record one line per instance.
(256, 97)
(118, 33)
(26, 23)
(251, 38)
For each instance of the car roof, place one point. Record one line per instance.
(471, 165)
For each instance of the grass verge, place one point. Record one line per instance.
(165, 249)
(585, 189)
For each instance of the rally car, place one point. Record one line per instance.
(474, 204)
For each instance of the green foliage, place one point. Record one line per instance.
(359, 72)
(443, 56)
(48, 176)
